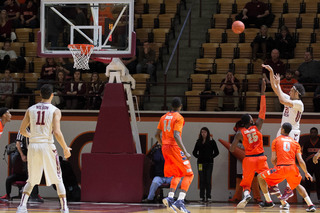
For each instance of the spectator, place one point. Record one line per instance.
(257, 13)
(48, 72)
(205, 151)
(285, 43)
(277, 65)
(5, 26)
(8, 87)
(59, 90)
(287, 82)
(56, 27)
(229, 87)
(157, 172)
(7, 55)
(13, 12)
(28, 15)
(146, 60)
(308, 72)
(96, 88)
(18, 161)
(75, 91)
(316, 100)
(262, 43)
(310, 145)
(66, 66)
(70, 181)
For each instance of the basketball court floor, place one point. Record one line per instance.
(194, 207)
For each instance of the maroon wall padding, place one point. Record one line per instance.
(113, 132)
(112, 177)
(113, 172)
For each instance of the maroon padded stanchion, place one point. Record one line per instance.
(112, 172)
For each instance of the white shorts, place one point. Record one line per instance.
(295, 134)
(43, 157)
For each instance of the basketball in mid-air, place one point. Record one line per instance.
(237, 27)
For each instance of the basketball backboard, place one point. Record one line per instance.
(106, 24)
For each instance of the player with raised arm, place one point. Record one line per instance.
(251, 137)
(44, 121)
(284, 152)
(292, 112)
(177, 164)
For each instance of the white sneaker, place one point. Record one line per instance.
(244, 202)
(64, 210)
(22, 209)
(285, 206)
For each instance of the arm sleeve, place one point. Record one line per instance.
(215, 149)
(195, 151)
(262, 112)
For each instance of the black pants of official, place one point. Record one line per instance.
(205, 175)
(313, 169)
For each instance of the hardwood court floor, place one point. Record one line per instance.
(82, 207)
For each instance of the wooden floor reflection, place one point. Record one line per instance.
(194, 207)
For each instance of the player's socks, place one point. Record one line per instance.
(24, 199)
(308, 201)
(267, 196)
(182, 195)
(171, 194)
(246, 193)
(63, 202)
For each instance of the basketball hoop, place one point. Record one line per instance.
(81, 54)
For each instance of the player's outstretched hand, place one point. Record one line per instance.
(67, 152)
(308, 176)
(267, 67)
(187, 155)
(315, 158)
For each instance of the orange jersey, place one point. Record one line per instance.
(286, 149)
(252, 140)
(170, 122)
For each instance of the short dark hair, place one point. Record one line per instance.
(245, 118)
(300, 89)
(46, 91)
(287, 127)
(176, 103)
(314, 128)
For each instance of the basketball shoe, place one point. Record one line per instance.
(64, 210)
(168, 201)
(266, 204)
(180, 207)
(244, 202)
(22, 209)
(311, 208)
(285, 206)
(286, 194)
(273, 190)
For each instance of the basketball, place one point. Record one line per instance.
(237, 27)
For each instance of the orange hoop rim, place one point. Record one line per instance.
(84, 48)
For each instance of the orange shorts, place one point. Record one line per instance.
(175, 162)
(251, 165)
(279, 173)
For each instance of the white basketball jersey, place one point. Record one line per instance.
(41, 117)
(293, 114)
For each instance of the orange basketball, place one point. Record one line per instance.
(237, 27)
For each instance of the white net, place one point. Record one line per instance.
(81, 54)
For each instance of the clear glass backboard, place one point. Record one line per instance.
(108, 25)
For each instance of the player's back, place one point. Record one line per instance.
(170, 122)
(41, 119)
(252, 141)
(286, 149)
